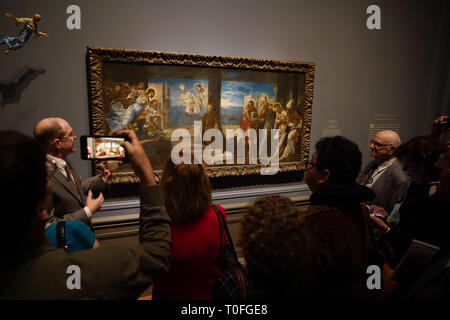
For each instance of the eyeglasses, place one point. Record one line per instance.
(51, 169)
(379, 145)
(72, 135)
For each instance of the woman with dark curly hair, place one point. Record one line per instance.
(186, 192)
(270, 239)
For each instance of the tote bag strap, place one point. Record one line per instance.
(241, 282)
(220, 219)
(223, 227)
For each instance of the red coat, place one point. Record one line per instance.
(195, 261)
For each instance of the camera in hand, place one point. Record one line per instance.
(102, 148)
(444, 123)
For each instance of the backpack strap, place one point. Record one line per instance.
(61, 235)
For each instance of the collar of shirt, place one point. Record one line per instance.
(378, 172)
(384, 165)
(60, 163)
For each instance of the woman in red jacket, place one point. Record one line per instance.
(195, 267)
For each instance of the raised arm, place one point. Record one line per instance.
(437, 129)
(10, 15)
(42, 34)
(138, 158)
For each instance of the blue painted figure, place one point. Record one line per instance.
(30, 26)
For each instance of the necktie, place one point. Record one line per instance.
(70, 177)
(368, 179)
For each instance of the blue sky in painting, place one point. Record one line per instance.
(177, 112)
(234, 95)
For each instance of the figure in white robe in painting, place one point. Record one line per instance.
(202, 95)
(189, 100)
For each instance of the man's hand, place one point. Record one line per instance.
(436, 130)
(106, 173)
(378, 210)
(137, 157)
(9, 15)
(378, 223)
(94, 203)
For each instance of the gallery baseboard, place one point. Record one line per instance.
(119, 220)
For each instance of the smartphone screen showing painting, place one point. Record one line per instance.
(103, 148)
(224, 112)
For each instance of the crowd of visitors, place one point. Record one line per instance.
(357, 221)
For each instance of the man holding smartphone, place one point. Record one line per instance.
(69, 191)
(32, 269)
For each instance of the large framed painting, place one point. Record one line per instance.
(238, 116)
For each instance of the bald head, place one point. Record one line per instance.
(390, 137)
(384, 145)
(49, 129)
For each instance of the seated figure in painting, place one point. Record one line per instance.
(153, 128)
(282, 138)
(145, 118)
(120, 116)
(153, 111)
(294, 123)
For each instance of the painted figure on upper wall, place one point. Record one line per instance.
(30, 27)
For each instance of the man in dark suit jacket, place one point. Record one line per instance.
(69, 192)
(385, 175)
(32, 269)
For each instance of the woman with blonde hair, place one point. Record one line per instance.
(186, 192)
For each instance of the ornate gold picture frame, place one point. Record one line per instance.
(157, 94)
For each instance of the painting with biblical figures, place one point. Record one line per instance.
(238, 116)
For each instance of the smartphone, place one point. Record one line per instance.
(102, 148)
(444, 123)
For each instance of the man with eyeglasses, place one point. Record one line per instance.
(32, 269)
(338, 243)
(385, 175)
(69, 192)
